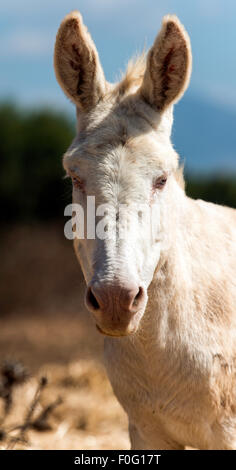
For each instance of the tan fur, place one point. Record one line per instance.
(168, 65)
(77, 64)
(175, 375)
(133, 76)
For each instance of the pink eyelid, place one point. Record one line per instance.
(159, 183)
(78, 183)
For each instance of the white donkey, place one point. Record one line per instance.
(166, 303)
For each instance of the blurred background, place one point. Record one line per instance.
(42, 318)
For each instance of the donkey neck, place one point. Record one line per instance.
(166, 337)
(171, 286)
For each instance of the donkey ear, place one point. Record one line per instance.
(76, 62)
(169, 65)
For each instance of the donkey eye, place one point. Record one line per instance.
(77, 183)
(160, 182)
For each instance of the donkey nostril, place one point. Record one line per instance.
(138, 297)
(92, 300)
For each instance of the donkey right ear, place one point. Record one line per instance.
(169, 65)
(76, 62)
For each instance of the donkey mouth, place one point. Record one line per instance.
(114, 334)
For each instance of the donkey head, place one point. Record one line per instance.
(123, 156)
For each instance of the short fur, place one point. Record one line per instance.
(175, 370)
(77, 64)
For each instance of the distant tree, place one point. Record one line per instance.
(220, 190)
(31, 175)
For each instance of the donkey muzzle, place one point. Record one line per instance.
(115, 307)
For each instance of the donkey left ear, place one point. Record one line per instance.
(169, 65)
(77, 65)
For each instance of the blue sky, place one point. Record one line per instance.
(119, 29)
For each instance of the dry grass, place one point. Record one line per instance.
(88, 417)
(44, 324)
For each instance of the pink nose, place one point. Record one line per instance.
(112, 298)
